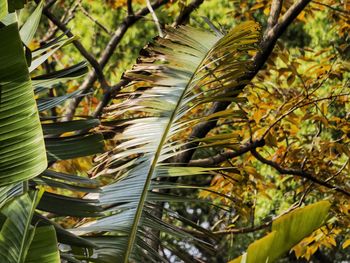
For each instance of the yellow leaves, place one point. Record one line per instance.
(257, 6)
(298, 250)
(271, 140)
(122, 3)
(290, 79)
(346, 244)
(323, 237)
(301, 17)
(73, 166)
(258, 115)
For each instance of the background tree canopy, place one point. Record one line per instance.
(174, 131)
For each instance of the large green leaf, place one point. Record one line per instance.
(17, 233)
(9, 191)
(287, 231)
(43, 248)
(172, 72)
(22, 149)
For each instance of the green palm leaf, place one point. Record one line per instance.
(31, 25)
(44, 248)
(22, 149)
(287, 231)
(20, 242)
(3, 8)
(177, 73)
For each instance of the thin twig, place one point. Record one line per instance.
(339, 171)
(243, 230)
(221, 157)
(155, 18)
(93, 62)
(298, 105)
(86, 13)
(108, 52)
(332, 8)
(65, 19)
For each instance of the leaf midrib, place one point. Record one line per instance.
(139, 209)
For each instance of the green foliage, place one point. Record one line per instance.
(286, 232)
(20, 242)
(22, 151)
(151, 208)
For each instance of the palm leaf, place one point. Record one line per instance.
(287, 231)
(20, 242)
(3, 8)
(179, 72)
(31, 25)
(46, 81)
(9, 191)
(22, 150)
(17, 92)
(44, 248)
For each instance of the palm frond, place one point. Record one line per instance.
(22, 150)
(287, 231)
(187, 68)
(20, 242)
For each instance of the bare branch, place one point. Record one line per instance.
(93, 62)
(271, 36)
(187, 11)
(275, 11)
(332, 8)
(65, 19)
(221, 157)
(130, 9)
(244, 229)
(109, 95)
(108, 52)
(86, 13)
(155, 18)
(299, 173)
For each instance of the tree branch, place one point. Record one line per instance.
(300, 173)
(187, 11)
(181, 19)
(130, 9)
(108, 52)
(332, 8)
(243, 230)
(266, 47)
(93, 62)
(155, 18)
(221, 157)
(110, 93)
(275, 11)
(86, 13)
